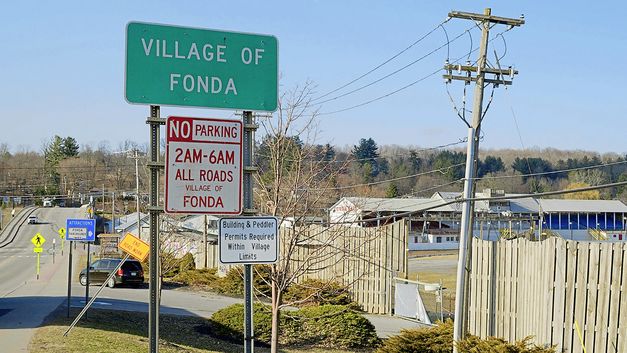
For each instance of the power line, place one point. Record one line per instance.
(398, 70)
(384, 62)
(399, 89)
(441, 170)
(552, 172)
(348, 160)
(511, 197)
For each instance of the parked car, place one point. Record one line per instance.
(32, 219)
(130, 273)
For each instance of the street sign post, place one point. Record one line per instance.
(38, 241)
(171, 65)
(248, 240)
(203, 166)
(79, 230)
(61, 232)
(135, 247)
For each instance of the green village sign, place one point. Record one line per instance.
(180, 66)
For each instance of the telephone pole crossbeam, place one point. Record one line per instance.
(475, 74)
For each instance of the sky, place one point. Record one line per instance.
(62, 66)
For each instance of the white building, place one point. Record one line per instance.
(435, 221)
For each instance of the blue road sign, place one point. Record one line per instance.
(80, 229)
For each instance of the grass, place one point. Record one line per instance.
(6, 215)
(110, 331)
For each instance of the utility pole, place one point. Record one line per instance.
(139, 228)
(480, 71)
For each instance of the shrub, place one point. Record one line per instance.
(229, 322)
(199, 277)
(187, 263)
(324, 326)
(335, 326)
(318, 292)
(439, 339)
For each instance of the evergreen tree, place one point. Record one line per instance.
(366, 153)
(69, 147)
(392, 191)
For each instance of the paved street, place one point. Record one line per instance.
(24, 300)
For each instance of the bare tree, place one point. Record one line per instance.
(295, 184)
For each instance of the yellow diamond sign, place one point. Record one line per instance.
(61, 232)
(38, 240)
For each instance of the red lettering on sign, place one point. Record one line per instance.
(202, 201)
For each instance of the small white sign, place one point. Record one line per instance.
(248, 240)
(203, 166)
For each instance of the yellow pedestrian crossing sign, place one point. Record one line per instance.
(38, 250)
(38, 240)
(61, 233)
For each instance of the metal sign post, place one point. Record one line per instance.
(80, 230)
(87, 273)
(69, 281)
(155, 122)
(249, 169)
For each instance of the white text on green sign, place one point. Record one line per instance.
(170, 65)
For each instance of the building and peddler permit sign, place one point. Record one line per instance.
(248, 240)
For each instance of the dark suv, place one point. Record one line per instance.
(130, 273)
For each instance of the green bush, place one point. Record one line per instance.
(199, 277)
(229, 322)
(335, 326)
(439, 339)
(318, 292)
(324, 326)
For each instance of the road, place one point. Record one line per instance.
(25, 300)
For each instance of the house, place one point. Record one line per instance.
(135, 223)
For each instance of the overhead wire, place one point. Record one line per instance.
(474, 199)
(395, 71)
(397, 90)
(384, 62)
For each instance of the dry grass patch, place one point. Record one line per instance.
(110, 331)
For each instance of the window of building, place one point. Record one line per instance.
(438, 239)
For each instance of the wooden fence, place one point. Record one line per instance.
(364, 259)
(559, 291)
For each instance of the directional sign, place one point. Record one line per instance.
(203, 166)
(170, 65)
(81, 229)
(61, 232)
(248, 240)
(38, 250)
(38, 240)
(135, 247)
